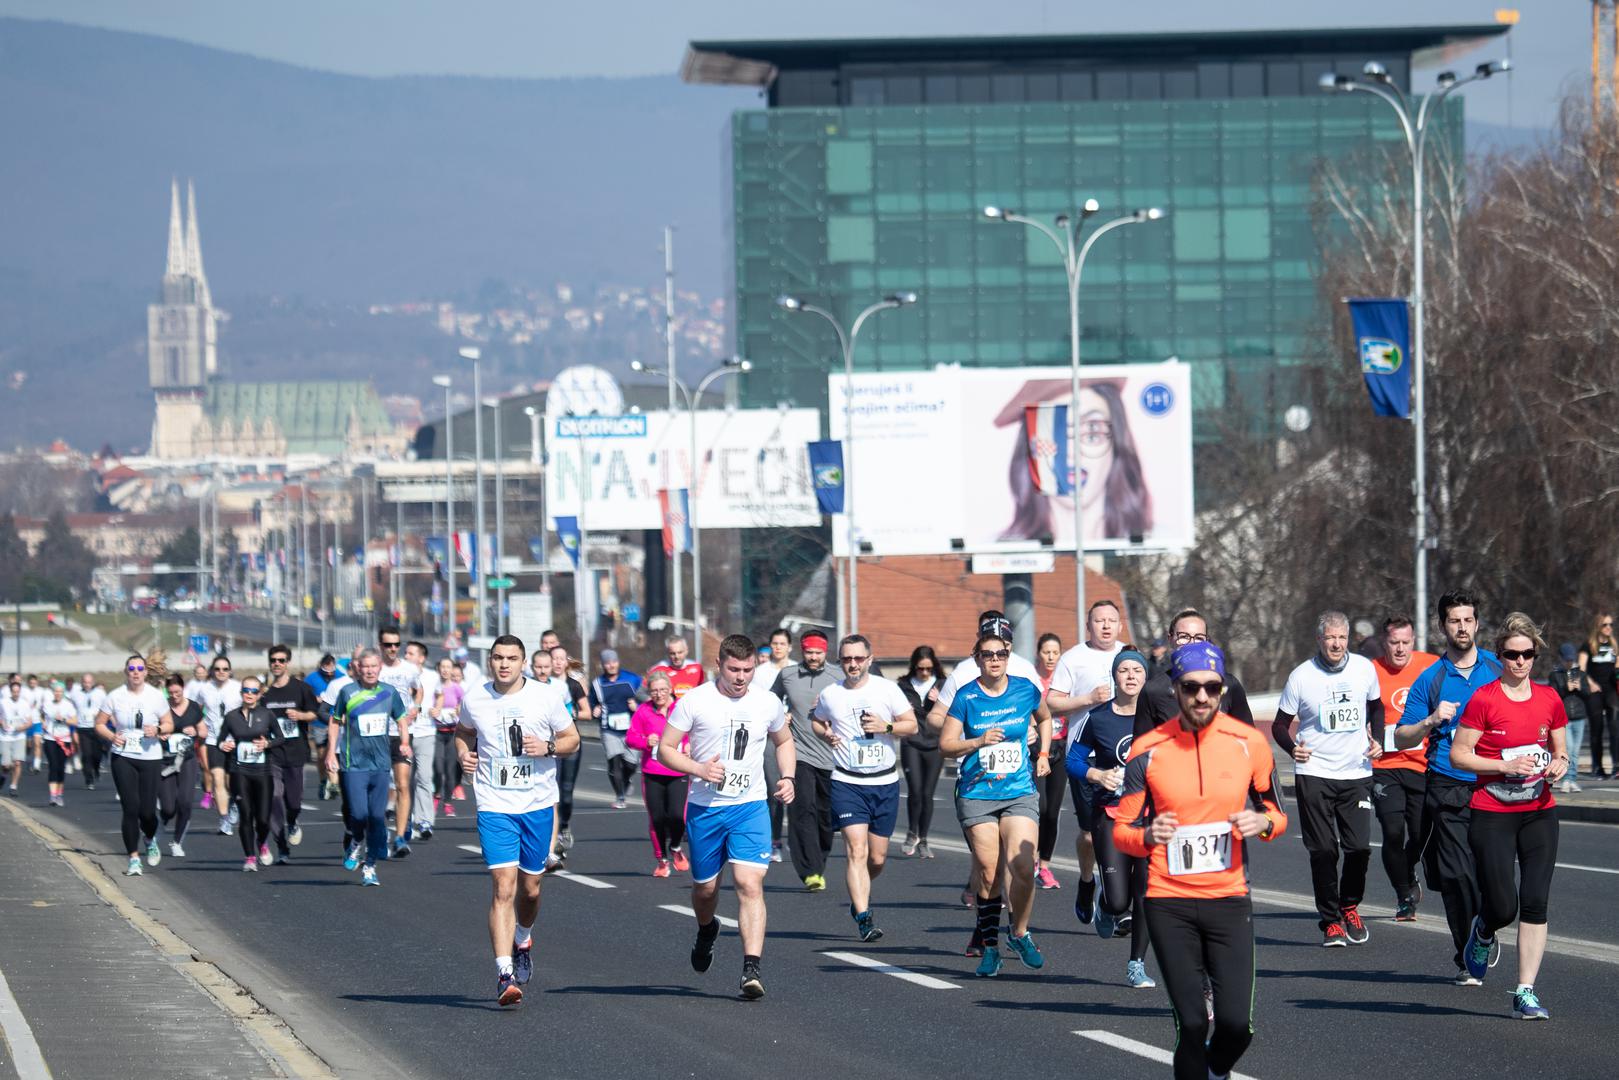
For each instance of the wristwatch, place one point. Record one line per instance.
(890, 727)
(550, 748)
(1269, 830)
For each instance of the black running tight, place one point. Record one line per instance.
(1214, 938)
(136, 781)
(665, 798)
(922, 769)
(1052, 787)
(253, 789)
(1124, 884)
(1509, 846)
(174, 796)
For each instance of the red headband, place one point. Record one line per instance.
(813, 641)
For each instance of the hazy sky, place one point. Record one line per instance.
(1551, 46)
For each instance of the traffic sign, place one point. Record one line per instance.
(199, 643)
(436, 607)
(632, 612)
(500, 583)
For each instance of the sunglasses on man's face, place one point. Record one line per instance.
(278, 660)
(390, 644)
(853, 659)
(1192, 688)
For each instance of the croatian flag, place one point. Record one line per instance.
(1051, 461)
(676, 508)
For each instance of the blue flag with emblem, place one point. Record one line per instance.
(568, 533)
(826, 472)
(1383, 344)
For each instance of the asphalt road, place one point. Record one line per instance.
(400, 978)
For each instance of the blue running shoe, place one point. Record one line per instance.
(866, 926)
(990, 965)
(368, 876)
(507, 992)
(1105, 924)
(1135, 973)
(1526, 1006)
(523, 963)
(1027, 951)
(1476, 953)
(351, 861)
(401, 847)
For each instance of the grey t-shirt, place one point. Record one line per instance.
(799, 688)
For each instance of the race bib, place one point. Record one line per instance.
(372, 725)
(60, 730)
(1002, 758)
(1340, 716)
(248, 754)
(1199, 849)
(618, 721)
(734, 783)
(869, 754)
(289, 726)
(513, 773)
(1540, 754)
(179, 744)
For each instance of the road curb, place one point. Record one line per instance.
(273, 1035)
(1566, 811)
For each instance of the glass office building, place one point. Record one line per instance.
(868, 170)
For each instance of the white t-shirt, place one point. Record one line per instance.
(404, 677)
(423, 726)
(1331, 708)
(40, 696)
(328, 696)
(737, 731)
(471, 673)
(132, 711)
(16, 715)
(60, 718)
(216, 701)
(88, 702)
(508, 783)
(868, 760)
(966, 671)
(193, 690)
(1079, 671)
(764, 676)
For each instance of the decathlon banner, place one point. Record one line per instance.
(993, 479)
(1383, 343)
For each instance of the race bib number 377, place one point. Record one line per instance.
(1199, 849)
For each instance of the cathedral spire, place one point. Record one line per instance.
(176, 265)
(194, 248)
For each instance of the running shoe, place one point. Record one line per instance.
(425, 832)
(177, 850)
(702, 950)
(234, 816)
(368, 876)
(56, 800)
(351, 861)
(990, 965)
(295, 835)
(1135, 973)
(909, 847)
(264, 855)
(250, 865)
(1085, 901)
(975, 944)
(775, 853)
(508, 992)
(661, 869)
(1334, 937)
(1526, 1006)
(449, 810)
(134, 867)
(12, 791)
(523, 962)
(619, 803)
(225, 827)
(968, 898)
(401, 847)
(564, 838)
(1464, 979)
(866, 925)
(1106, 924)
(815, 883)
(682, 864)
(924, 850)
(1354, 926)
(207, 800)
(1027, 951)
(458, 795)
(1406, 911)
(1476, 953)
(154, 854)
(283, 858)
(1045, 878)
(1123, 924)
(753, 987)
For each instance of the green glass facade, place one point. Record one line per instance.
(843, 205)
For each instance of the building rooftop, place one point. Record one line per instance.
(757, 63)
(313, 416)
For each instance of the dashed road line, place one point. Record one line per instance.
(725, 920)
(26, 1057)
(889, 969)
(1140, 1049)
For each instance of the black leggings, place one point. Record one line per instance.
(567, 777)
(620, 772)
(446, 762)
(1603, 711)
(174, 794)
(922, 769)
(1507, 844)
(1124, 883)
(665, 798)
(55, 762)
(1397, 798)
(253, 788)
(136, 781)
(91, 753)
(1194, 938)
(1052, 788)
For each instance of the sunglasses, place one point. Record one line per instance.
(390, 644)
(132, 667)
(246, 690)
(924, 669)
(1518, 654)
(1192, 688)
(218, 670)
(994, 654)
(279, 660)
(853, 659)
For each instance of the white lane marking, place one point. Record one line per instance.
(1560, 866)
(473, 848)
(678, 910)
(588, 882)
(25, 1054)
(889, 969)
(1140, 1049)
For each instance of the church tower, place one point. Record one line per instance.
(181, 338)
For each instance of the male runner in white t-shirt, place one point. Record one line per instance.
(730, 723)
(512, 731)
(406, 679)
(218, 696)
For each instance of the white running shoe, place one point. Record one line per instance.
(176, 851)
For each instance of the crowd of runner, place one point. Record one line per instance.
(1154, 749)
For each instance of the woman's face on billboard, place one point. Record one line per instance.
(1093, 437)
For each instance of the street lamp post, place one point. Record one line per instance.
(1065, 236)
(847, 341)
(584, 586)
(677, 594)
(1374, 79)
(693, 400)
(536, 455)
(449, 502)
(479, 556)
(500, 516)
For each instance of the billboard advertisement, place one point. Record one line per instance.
(965, 460)
(753, 473)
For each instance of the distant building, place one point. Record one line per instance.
(202, 416)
